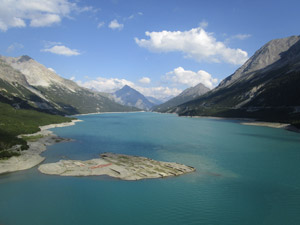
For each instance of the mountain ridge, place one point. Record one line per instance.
(25, 83)
(266, 92)
(185, 96)
(131, 97)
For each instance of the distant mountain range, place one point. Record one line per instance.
(185, 96)
(131, 97)
(25, 83)
(266, 87)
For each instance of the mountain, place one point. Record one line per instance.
(25, 83)
(185, 96)
(153, 100)
(266, 87)
(131, 97)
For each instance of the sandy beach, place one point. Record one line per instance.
(31, 157)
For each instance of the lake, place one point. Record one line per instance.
(245, 175)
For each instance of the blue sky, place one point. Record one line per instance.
(104, 44)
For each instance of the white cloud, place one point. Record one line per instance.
(52, 70)
(45, 20)
(145, 80)
(106, 84)
(175, 81)
(237, 37)
(203, 24)
(114, 24)
(39, 13)
(132, 16)
(72, 78)
(101, 24)
(61, 50)
(195, 43)
(159, 92)
(241, 36)
(189, 78)
(112, 84)
(13, 47)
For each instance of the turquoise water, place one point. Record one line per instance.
(245, 175)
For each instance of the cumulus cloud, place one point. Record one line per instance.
(112, 84)
(159, 92)
(145, 80)
(188, 78)
(39, 13)
(195, 43)
(62, 50)
(72, 78)
(13, 47)
(105, 84)
(45, 20)
(114, 24)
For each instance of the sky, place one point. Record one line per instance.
(159, 47)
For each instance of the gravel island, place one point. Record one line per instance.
(120, 166)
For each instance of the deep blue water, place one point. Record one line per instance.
(245, 175)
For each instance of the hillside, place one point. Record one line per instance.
(185, 96)
(266, 87)
(17, 121)
(25, 83)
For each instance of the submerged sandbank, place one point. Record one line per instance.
(31, 157)
(120, 166)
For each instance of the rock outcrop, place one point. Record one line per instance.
(120, 166)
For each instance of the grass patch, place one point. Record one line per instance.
(32, 138)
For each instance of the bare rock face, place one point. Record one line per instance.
(25, 83)
(263, 58)
(37, 74)
(120, 166)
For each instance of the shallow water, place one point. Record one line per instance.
(245, 175)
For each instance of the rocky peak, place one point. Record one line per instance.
(263, 58)
(195, 91)
(24, 58)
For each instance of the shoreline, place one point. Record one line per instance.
(98, 113)
(253, 122)
(31, 157)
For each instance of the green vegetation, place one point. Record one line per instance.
(7, 154)
(82, 101)
(32, 138)
(14, 122)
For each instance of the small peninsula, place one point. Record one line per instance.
(37, 143)
(120, 166)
